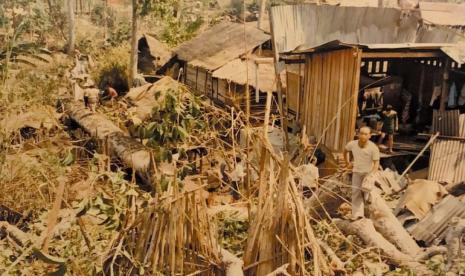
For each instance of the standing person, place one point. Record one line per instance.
(91, 95)
(390, 125)
(365, 156)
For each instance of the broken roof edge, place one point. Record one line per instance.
(455, 51)
(236, 72)
(157, 48)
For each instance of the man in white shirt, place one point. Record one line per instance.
(365, 159)
(237, 178)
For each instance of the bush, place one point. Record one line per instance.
(112, 67)
(120, 34)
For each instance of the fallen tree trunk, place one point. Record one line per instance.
(365, 230)
(326, 200)
(389, 226)
(132, 153)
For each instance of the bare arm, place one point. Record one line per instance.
(347, 158)
(397, 122)
(375, 166)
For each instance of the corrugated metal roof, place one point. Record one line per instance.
(311, 25)
(236, 71)
(446, 122)
(449, 14)
(447, 161)
(220, 44)
(158, 50)
(434, 225)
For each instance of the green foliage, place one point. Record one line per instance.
(175, 32)
(233, 233)
(176, 116)
(110, 207)
(97, 15)
(178, 23)
(120, 33)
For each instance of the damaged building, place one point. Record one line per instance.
(219, 64)
(352, 69)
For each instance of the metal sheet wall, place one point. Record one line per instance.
(329, 109)
(446, 122)
(447, 162)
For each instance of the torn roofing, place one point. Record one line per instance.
(221, 44)
(237, 71)
(158, 50)
(434, 13)
(449, 14)
(433, 227)
(311, 25)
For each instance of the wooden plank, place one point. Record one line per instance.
(299, 93)
(339, 76)
(349, 100)
(317, 95)
(378, 55)
(325, 93)
(306, 91)
(263, 60)
(355, 88)
(335, 74)
(312, 117)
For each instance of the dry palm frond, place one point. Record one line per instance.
(280, 232)
(174, 235)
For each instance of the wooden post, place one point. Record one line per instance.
(420, 92)
(71, 33)
(261, 14)
(133, 57)
(445, 84)
(279, 88)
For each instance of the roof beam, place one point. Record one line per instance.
(430, 54)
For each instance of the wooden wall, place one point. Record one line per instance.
(199, 79)
(293, 95)
(331, 84)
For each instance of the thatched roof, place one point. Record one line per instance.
(158, 50)
(237, 71)
(220, 44)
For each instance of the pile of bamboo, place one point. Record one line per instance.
(175, 235)
(280, 232)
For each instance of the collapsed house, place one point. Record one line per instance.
(220, 62)
(383, 50)
(154, 56)
(389, 58)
